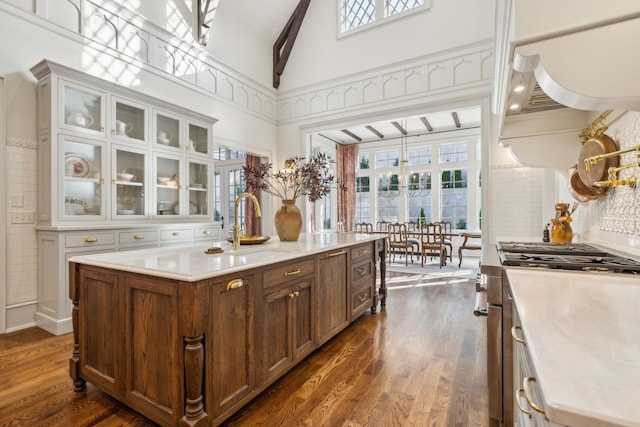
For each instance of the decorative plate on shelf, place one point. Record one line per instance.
(75, 165)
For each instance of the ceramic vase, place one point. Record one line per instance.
(288, 221)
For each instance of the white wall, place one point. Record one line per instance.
(319, 56)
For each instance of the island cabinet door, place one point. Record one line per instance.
(230, 342)
(332, 294)
(100, 329)
(287, 327)
(154, 348)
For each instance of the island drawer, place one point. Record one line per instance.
(90, 238)
(287, 272)
(362, 273)
(361, 299)
(361, 252)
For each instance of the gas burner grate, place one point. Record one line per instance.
(608, 263)
(549, 248)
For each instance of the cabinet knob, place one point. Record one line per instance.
(292, 295)
(90, 239)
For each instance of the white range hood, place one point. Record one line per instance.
(582, 54)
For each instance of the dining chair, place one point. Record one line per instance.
(413, 231)
(446, 235)
(432, 243)
(397, 236)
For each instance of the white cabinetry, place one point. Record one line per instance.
(117, 170)
(528, 409)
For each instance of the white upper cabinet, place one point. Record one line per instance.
(109, 155)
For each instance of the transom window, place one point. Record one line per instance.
(358, 13)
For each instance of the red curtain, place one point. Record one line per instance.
(347, 157)
(251, 223)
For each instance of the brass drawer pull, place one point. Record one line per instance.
(138, 236)
(517, 397)
(175, 233)
(509, 296)
(335, 254)
(90, 239)
(528, 393)
(515, 336)
(292, 295)
(362, 271)
(235, 284)
(205, 232)
(364, 251)
(292, 273)
(362, 297)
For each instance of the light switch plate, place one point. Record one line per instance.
(23, 217)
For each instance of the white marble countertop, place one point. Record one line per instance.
(190, 262)
(583, 333)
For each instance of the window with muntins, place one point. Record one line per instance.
(359, 13)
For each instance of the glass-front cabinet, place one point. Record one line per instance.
(168, 131)
(198, 179)
(167, 175)
(82, 109)
(129, 120)
(129, 172)
(82, 184)
(198, 139)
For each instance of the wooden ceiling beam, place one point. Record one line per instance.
(284, 43)
(400, 128)
(352, 135)
(374, 131)
(456, 120)
(426, 123)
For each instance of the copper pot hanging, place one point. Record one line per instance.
(580, 191)
(598, 170)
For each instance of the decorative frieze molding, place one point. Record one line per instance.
(22, 143)
(429, 76)
(619, 210)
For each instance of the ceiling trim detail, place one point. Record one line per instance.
(466, 68)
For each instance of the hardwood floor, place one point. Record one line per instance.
(421, 361)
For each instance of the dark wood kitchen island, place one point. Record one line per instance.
(187, 338)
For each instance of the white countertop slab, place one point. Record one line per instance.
(583, 333)
(190, 262)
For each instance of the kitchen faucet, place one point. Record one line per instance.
(236, 228)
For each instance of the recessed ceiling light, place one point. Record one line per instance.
(518, 88)
(514, 106)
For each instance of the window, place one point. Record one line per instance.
(387, 159)
(363, 199)
(454, 197)
(453, 153)
(419, 156)
(363, 161)
(419, 198)
(388, 198)
(358, 13)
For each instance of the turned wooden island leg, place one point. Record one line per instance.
(382, 254)
(194, 375)
(79, 384)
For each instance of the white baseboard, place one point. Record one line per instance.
(21, 316)
(54, 326)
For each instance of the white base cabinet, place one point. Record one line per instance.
(56, 247)
(527, 400)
